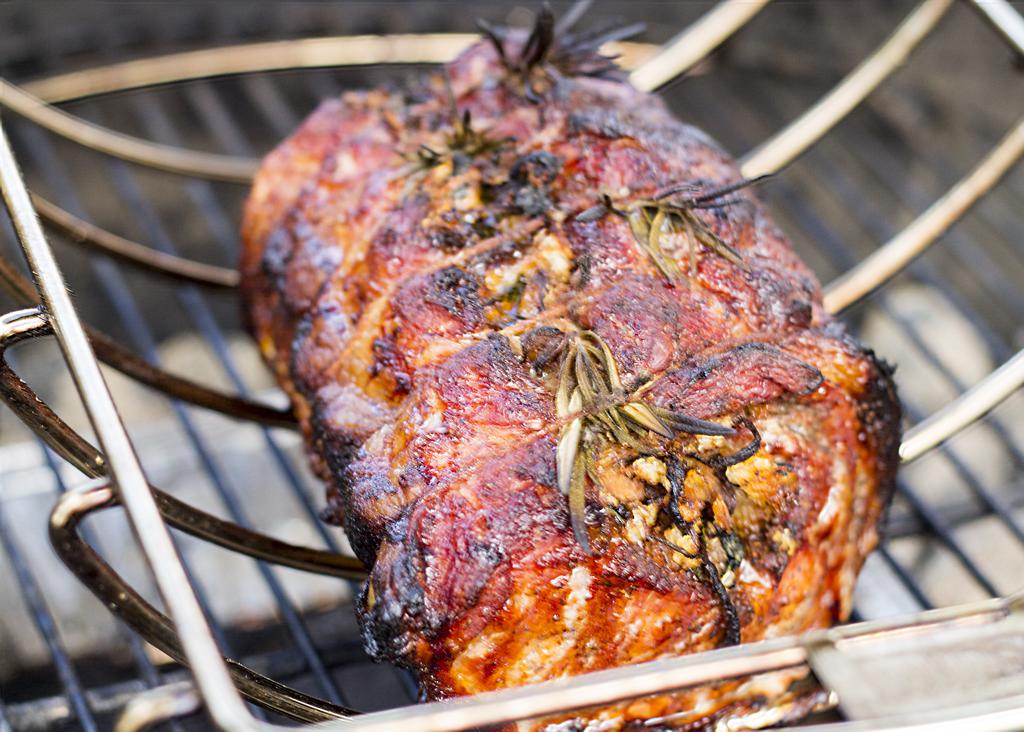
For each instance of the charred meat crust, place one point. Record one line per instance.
(418, 273)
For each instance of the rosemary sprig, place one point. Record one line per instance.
(461, 145)
(590, 395)
(673, 211)
(553, 50)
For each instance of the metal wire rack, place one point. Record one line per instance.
(868, 666)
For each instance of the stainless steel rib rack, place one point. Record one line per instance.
(957, 667)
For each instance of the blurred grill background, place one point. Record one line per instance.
(956, 530)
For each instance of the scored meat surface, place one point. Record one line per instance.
(576, 401)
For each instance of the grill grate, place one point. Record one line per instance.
(868, 197)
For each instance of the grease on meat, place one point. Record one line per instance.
(412, 273)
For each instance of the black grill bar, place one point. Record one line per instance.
(269, 100)
(958, 512)
(977, 487)
(906, 578)
(938, 526)
(967, 253)
(47, 628)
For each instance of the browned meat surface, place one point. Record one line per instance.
(576, 405)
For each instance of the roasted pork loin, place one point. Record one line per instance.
(576, 401)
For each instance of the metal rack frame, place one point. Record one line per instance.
(837, 657)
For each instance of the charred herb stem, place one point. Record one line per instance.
(674, 547)
(744, 453)
(676, 474)
(731, 636)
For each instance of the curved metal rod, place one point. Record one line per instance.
(139, 255)
(969, 407)
(95, 137)
(122, 600)
(358, 50)
(237, 538)
(1007, 22)
(888, 260)
(794, 139)
(684, 51)
(122, 359)
(117, 356)
(23, 325)
(66, 442)
(304, 53)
